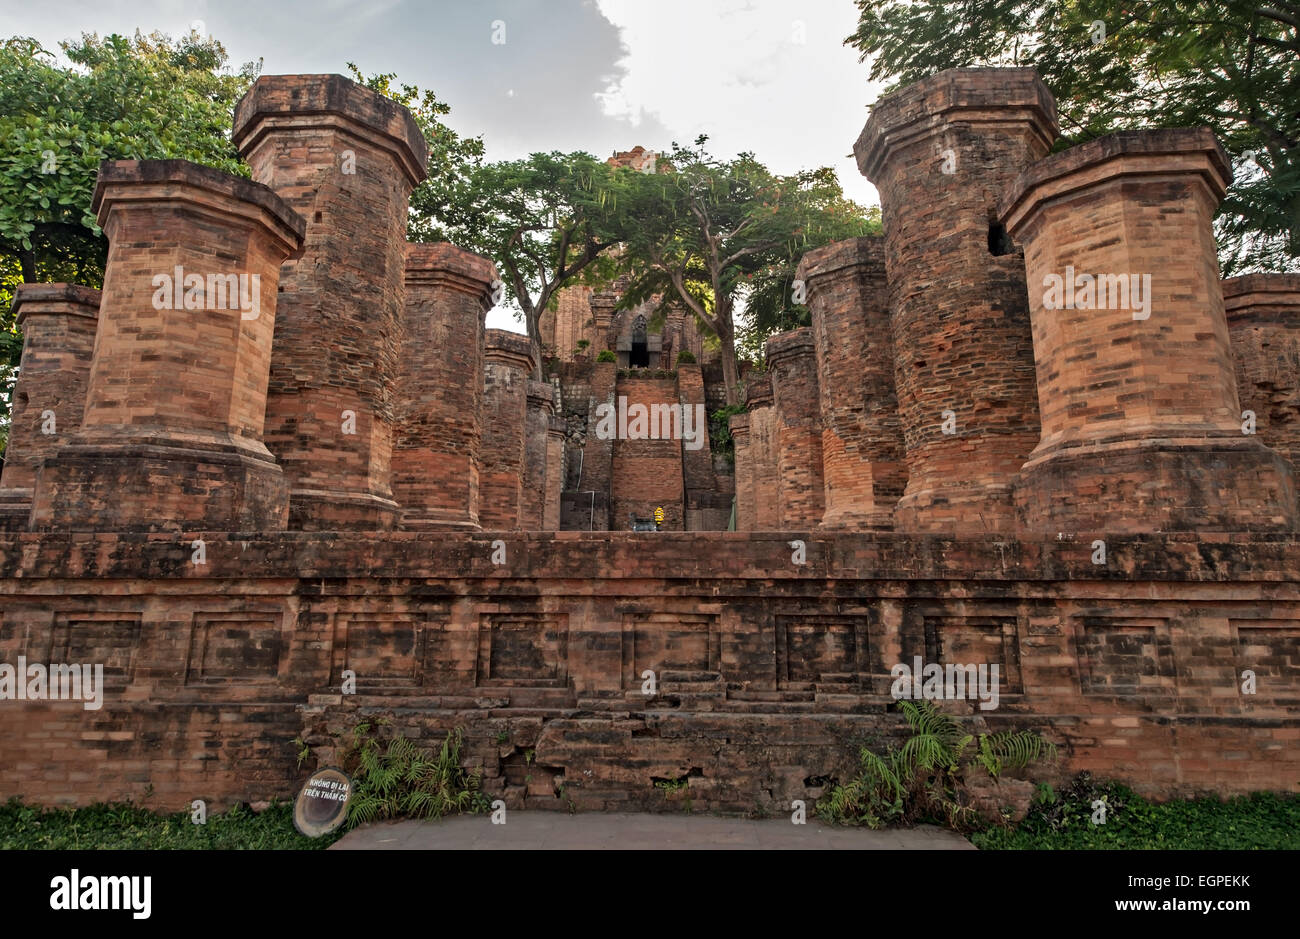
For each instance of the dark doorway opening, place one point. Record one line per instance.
(640, 355)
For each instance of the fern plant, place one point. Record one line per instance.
(397, 779)
(926, 777)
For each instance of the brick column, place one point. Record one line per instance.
(58, 323)
(439, 391)
(541, 408)
(1141, 422)
(346, 158)
(554, 473)
(862, 443)
(602, 315)
(941, 152)
(739, 426)
(762, 450)
(792, 361)
(1263, 313)
(172, 432)
(508, 363)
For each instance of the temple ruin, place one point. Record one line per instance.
(1029, 426)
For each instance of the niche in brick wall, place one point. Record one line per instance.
(1125, 656)
(974, 640)
(98, 638)
(386, 650)
(1271, 649)
(523, 650)
(813, 649)
(244, 646)
(685, 642)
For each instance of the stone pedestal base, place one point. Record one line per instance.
(1128, 487)
(160, 486)
(325, 510)
(973, 510)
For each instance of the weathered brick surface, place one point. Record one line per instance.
(556, 470)
(862, 443)
(537, 469)
(762, 453)
(1140, 419)
(797, 424)
(647, 474)
(58, 324)
(1263, 312)
(738, 424)
(509, 362)
(772, 665)
(172, 431)
(346, 158)
(439, 394)
(768, 671)
(941, 152)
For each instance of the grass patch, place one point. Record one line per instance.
(1064, 822)
(130, 827)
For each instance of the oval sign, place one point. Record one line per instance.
(322, 805)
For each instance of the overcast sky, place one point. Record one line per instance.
(771, 76)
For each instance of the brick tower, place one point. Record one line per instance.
(942, 152)
(1140, 416)
(346, 158)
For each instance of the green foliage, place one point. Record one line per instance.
(437, 203)
(546, 221)
(131, 827)
(1232, 65)
(720, 430)
(686, 356)
(606, 355)
(146, 97)
(393, 778)
(706, 228)
(1064, 822)
(925, 779)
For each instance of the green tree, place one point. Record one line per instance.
(147, 97)
(1232, 65)
(711, 234)
(545, 221)
(437, 203)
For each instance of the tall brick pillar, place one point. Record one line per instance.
(941, 152)
(763, 453)
(1141, 422)
(862, 443)
(439, 391)
(792, 361)
(541, 408)
(172, 432)
(1263, 313)
(739, 426)
(602, 315)
(508, 362)
(346, 158)
(554, 473)
(58, 323)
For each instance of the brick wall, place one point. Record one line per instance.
(1263, 312)
(505, 421)
(212, 672)
(58, 323)
(346, 158)
(647, 473)
(439, 394)
(1140, 419)
(941, 152)
(797, 423)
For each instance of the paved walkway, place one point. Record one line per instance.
(560, 831)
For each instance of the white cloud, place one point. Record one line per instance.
(773, 77)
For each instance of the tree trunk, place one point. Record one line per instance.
(727, 350)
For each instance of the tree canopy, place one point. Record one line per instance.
(712, 234)
(1232, 65)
